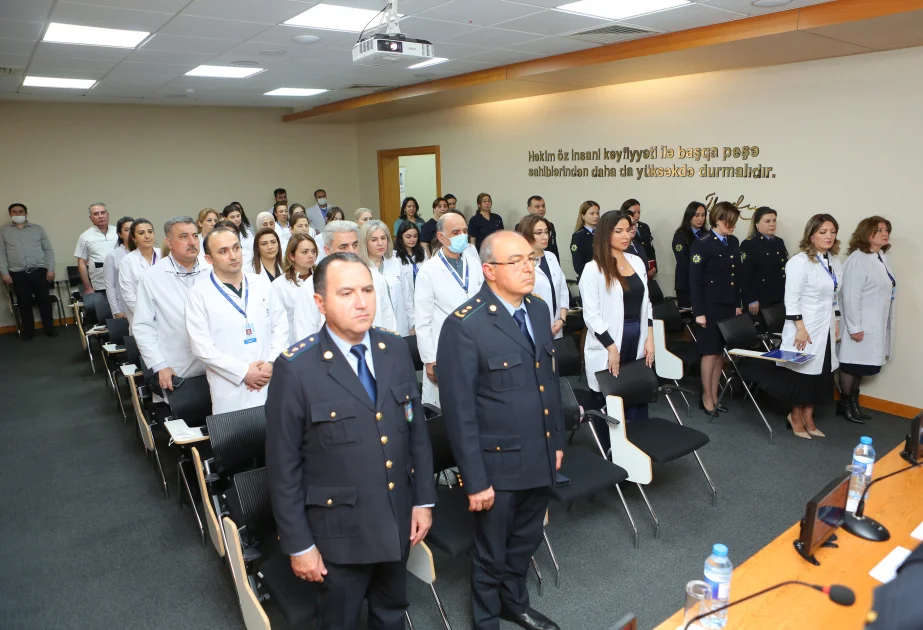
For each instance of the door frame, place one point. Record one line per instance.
(388, 164)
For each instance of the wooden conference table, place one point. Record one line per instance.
(895, 503)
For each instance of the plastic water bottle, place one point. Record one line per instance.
(863, 459)
(718, 570)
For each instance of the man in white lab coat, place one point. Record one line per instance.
(159, 323)
(342, 236)
(445, 281)
(237, 326)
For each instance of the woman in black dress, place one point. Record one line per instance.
(715, 294)
(581, 242)
(762, 261)
(485, 222)
(691, 229)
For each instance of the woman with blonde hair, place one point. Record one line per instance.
(581, 241)
(869, 288)
(813, 279)
(377, 250)
(205, 223)
(362, 215)
(300, 257)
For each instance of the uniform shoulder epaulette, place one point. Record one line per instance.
(537, 297)
(300, 347)
(751, 237)
(386, 331)
(470, 307)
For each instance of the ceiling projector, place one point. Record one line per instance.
(391, 47)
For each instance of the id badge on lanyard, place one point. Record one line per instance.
(832, 274)
(248, 330)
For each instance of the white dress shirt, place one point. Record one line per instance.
(92, 246)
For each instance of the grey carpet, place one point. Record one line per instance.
(87, 539)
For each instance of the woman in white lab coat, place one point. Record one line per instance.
(299, 223)
(299, 258)
(280, 215)
(813, 279)
(868, 310)
(267, 254)
(376, 249)
(236, 216)
(142, 255)
(616, 307)
(111, 268)
(550, 283)
(409, 251)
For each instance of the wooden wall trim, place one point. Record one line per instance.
(885, 406)
(6, 330)
(830, 13)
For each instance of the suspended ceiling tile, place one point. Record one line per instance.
(25, 10)
(553, 23)
(433, 30)
(263, 11)
(553, 46)
(17, 29)
(194, 26)
(147, 55)
(414, 7)
(493, 38)
(9, 60)
(161, 6)
(175, 43)
(282, 35)
(684, 18)
(48, 67)
(106, 17)
(478, 12)
(47, 50)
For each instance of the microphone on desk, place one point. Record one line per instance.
(860, 525)
(838, 594)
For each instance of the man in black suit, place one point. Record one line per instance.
(502, 407)
(536, 205)
(348, 454)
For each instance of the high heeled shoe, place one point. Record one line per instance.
(708, 412)
(816, 432)
(802, 434)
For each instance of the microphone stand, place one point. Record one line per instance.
(844, 597)
(867, 528)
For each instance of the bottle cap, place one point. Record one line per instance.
(865, 440)
(720, 550)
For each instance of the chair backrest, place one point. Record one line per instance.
(636, 384)
(132, 354)
(739, 332)
(774, 317)
(667, 365)
(414, 352)
(191, 401)
(254, 616)
(573, 287)
(147, 437)
(655, 292)
(73, 276)
(568, 356)
(103, 310)
(668, 311)
(569, 405)
(443, 457)
(89, 310)
(236, 437)
(252, 488)
(118, 330)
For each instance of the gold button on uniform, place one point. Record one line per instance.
(537, 365)
(547, 434)
(498, 448)
(333, 414)
(391, 486)
(389, 464)
(546, 412)
(384, 439)
(378, 416)
(329, 501)
(381, 345)
(328, 355)
(541, 388)
(505, 364)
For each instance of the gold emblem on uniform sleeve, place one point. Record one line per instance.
(573, 247)
(679, 247)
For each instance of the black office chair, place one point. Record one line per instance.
(740, 334)
(654, 291)
(573, 287)
(414, 352)
(191, 401)
(662, 441)
(589, 471)
(774, 316)
(568, 357)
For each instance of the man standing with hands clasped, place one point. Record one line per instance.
(348, 454)
(502, 406)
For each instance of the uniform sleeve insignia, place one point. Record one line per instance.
(743, 256)
(679, 247)
(696, 259)
(386, 331)
(573, 247)
(300, 347)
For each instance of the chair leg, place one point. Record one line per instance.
(554, 561)
(538, 574)
(630, 517)
(163, 479)
(651, 510)
(445, 618)
(90, 354)
(752, 399)
(724, 388)
(406, 617)
(683, 394)
(714, 492)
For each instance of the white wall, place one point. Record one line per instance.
(157, 162)
(842, 135)
(420, 179)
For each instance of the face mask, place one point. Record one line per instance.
(322, 201)
(458, 243)
(19, 219)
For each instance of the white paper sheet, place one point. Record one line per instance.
(180, 432)
(886, 570)
(129, 369)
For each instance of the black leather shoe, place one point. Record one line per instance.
(530, 619)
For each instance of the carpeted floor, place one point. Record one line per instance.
(88, 541)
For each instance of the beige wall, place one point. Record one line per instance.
(420, 179)
(157, 162)
(842, 135)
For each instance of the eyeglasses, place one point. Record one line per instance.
(532, 261)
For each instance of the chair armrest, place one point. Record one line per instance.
(601, 416)
(669, 389)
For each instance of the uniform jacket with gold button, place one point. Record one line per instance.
(714, 273)
(500, 398)
(763, 270)
(345, 473)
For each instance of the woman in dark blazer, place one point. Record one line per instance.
(581, 242)
(762, 261)
(691, 229)
(715, 292)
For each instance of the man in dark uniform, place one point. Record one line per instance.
(501, 400)
(536, 205)
(348, 454)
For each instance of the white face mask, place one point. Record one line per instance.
(322, 201)
(19, 219)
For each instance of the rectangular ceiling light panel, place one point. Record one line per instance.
(619, 9)
(91, 36)
(335, 18)
(51, 82)
(429, 62)
(223, 72)
(284, 91)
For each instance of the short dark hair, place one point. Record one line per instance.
(319, 190)
(629, 203)
(533, 198)
(221, 226)
(320, 272)
(276, 205)
(278, 191)
(449, 196)
(17, 205)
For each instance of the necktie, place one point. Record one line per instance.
(365, 376)
(520, 316)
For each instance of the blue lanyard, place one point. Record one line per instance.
(455, 273)
(242, 311)
(893, 282)
(415, 270)
(829, 272)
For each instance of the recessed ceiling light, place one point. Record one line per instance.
(272, 52)
(429, 62)
(335, 18)
(50, 82)
(245, 64)
(91, 36)
(294, 92)
(306, 39)
(770, 3)
(619, 9)
(223, 72)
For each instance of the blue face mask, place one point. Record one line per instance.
(458, 243)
